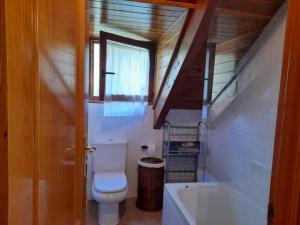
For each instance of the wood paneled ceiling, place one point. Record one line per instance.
(236, 26)
(138, 20)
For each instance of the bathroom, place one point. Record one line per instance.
(149, 112)
(239, 110)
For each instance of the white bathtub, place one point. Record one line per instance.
(209, 204)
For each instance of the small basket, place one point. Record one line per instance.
(150, 184)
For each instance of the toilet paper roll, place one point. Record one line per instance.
(151, 150)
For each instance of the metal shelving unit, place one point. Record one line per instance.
(185, 150)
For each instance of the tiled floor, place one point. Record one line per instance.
(130, 214)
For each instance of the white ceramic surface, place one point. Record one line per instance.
(110, 155)
(209, 204)
(109, 186)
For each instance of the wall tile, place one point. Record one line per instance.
(241, 138)
(137, 131)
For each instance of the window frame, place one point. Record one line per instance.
(102, 40)
(92, 41)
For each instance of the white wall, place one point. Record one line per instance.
(137, 131)
(241, 138)
(184, 117)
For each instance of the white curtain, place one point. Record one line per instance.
(130, 81)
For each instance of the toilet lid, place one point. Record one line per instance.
(109, 182)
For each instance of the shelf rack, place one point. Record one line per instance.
(184, 150)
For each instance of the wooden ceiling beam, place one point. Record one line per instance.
(183, 4)
(192, 45)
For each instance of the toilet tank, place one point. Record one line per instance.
(110, 155)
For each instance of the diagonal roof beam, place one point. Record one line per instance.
(194, 40)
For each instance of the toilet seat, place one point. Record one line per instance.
(110, 182)
(109, 187)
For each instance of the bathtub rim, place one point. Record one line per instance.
(172, 190)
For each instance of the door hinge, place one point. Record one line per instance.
(271, 213)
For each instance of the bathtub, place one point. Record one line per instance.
(209, 204)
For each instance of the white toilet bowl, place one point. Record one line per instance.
(109, 189)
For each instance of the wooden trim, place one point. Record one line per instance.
(103, 50)
(211, 68)
(3, 121)
(82, 96)
(125, 40)
(151, 46)
(174, 55)
(152, 74)
(285, 185)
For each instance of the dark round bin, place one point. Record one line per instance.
(150, 184)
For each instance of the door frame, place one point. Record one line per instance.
(82, 99)
(3, 121)
(284, 208)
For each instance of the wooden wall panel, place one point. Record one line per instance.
(165, 50)
(3, 121)
(21, 60)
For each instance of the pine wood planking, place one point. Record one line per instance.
(236, 26)
(147, 20)
(177, 3)
(168, 47)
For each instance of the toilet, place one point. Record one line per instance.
(109, 185)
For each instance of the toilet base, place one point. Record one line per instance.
(108, 213)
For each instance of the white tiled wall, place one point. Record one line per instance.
(184, 117)
(137, 131)
(241, 138)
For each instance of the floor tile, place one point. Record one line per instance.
(130, 214)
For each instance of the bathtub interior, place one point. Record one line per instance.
(219, 204)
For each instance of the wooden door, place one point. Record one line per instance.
(56, 111)
(285, 188)
(42, 68)
(60, 111)
(18, 69)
